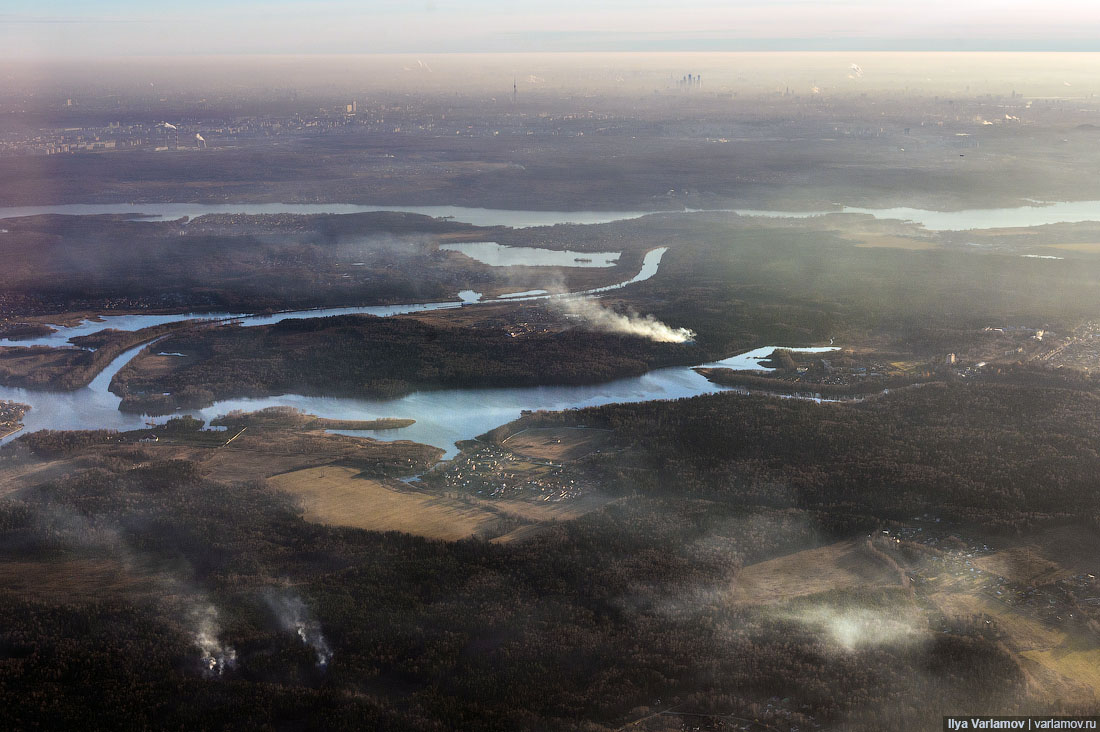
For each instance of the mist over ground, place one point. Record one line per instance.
(877, 507)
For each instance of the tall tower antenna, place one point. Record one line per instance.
(515, 90)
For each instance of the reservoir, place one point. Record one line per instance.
(651, 262)
(442, 416)
(499, 255)
(462, 214)
(1036, 214)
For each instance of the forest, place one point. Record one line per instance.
(226, 263)
(66, 369)
(569, 631)
(587, 625)
(380, 358)
(1005, 457)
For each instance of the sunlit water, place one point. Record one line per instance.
(442, 416)
(462, 214)
(651, 262)
(499, 255)
(1037, 214)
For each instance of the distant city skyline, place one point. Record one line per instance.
(65, 28)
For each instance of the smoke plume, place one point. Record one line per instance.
(293, 615)
(859, 627)
(600, 318)
(216, 658)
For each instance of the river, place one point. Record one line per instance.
(443, 417)
(1037, 214)
(651, 262)
(462, 214)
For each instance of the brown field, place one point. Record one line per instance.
(1080, 667)
(1046, 556)
(18, 363)
(559, 444)
(523, 533)
(1086, 247)
(338, 496)
(72, 319)
(17, 477)
(536, 510)
(836, 566)
(157, 365)
(72, 579)
(1025, 565)
(546, 512)
(885, 241)
(288, 418)
(1057, 666)
(259, 454)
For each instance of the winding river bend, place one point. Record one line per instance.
(442, 417)
(1036, 214)
(651, 262)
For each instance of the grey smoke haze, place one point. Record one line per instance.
(216, 657)
(598, 317)
(387, 26)
(196, 612)
(294, 616)
(861, 627)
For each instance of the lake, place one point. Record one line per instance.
(500, 255)
(442, 416)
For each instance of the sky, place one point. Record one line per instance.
(91, 28)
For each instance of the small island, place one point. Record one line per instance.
(291, 418)
(14, 331)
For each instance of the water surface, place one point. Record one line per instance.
(463, 214)
(442, 416)
(500, 255)
(651, 262)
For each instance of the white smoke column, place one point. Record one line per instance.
(293, 615)
(216, 658)
(855, 628)
(603, 319)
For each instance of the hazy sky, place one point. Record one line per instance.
(66, 28)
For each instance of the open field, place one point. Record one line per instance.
(72, 580)
(1087, 247)
(874, 241)
(842, 565)
(727, 561)
(262, 454)
(1058, 666)
(1024, 564)
(340, 496)
(559, 444)
(1046, 556)
(539, 510)
(288, 418)
(21, 474)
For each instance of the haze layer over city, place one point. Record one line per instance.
(583, 368)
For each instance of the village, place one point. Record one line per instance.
(1079, 350)
(494, 472)
(534, 464)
